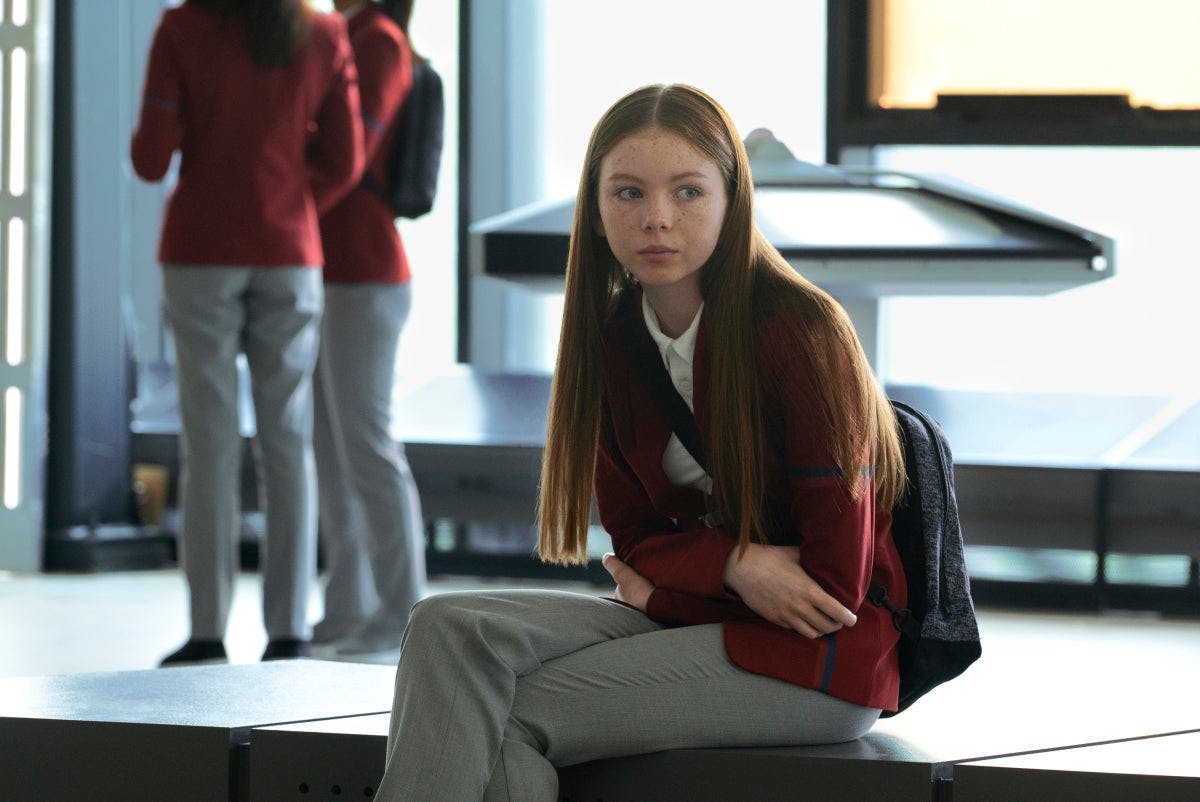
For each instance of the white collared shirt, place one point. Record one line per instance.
(677, 354)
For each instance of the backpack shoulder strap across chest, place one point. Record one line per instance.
(647, 362)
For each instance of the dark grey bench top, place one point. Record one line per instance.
(1162, 769)
(902, 758)
(226, 697)
(166, 733)
(349, 754)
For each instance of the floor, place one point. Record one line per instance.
(1103, 674)
(67, 623)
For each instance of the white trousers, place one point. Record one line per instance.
(372, 529)
(271, 314)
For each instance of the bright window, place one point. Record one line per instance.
(1145, 51)
(766, 63)
(763, 60)
(1134, 334)
(429, 340)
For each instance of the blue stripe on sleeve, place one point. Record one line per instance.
(830, 656)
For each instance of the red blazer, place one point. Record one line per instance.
(359, 233)
(263, 151)
(844, 544)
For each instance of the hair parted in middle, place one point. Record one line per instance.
(744, 282)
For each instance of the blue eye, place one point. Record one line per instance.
(690, 193)
(629, 193)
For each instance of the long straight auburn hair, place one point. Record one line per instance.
(745, 281)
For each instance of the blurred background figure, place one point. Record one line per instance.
(372, 530)
(260, 97)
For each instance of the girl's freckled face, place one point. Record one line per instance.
(662, 203)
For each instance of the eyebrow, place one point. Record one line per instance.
(677, 177)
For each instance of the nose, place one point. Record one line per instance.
(658, 214)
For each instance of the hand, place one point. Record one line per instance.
(632, 588)
(771, 582)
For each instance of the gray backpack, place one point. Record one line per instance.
(939, 634)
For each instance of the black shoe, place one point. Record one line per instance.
(285, 649)
(196, 652)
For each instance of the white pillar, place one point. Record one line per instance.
(27, 91)
(508, 321)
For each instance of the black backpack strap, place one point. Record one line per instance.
(902, 619)
(644, 354)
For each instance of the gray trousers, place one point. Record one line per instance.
(272, 315)
(494, 690)
(372, 529)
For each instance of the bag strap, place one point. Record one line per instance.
(902, 620)
(648, 362)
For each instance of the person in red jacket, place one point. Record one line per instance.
(740, 616)
(260, 98)
(372, 529)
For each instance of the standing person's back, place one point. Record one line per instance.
(253, 176)
(260, 97)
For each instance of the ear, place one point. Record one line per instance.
(598, 226)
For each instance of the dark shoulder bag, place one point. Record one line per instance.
(416, 154)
